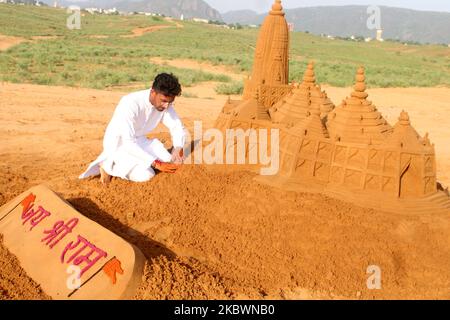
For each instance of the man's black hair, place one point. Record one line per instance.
(167, 84)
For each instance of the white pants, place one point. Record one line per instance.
(141, 174)
(124, 166)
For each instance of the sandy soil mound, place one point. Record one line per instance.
(212, 232)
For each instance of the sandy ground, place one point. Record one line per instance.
(212, 232)
(7, 42)
(138, 32)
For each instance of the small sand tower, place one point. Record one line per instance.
(357, 120)
(295, 106)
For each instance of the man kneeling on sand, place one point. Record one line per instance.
(127, 153)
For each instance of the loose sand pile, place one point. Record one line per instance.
(212, 232)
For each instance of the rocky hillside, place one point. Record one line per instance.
(345, 21)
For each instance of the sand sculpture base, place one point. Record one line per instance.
(70, 256)
(438, 203)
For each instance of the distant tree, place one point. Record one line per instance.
(217, 22)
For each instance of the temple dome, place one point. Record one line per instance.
(297, 105)
(356, 120)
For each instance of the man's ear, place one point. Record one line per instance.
(152, 95)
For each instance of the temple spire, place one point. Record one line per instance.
(271, 64)
(304, 100)
(357, 120)
(309, 76)
(360, 85)
(404, 119)
(405, 136)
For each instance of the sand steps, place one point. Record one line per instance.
(438, 203)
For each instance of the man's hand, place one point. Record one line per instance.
(178, 156)
(165, 167)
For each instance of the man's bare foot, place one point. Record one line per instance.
(104, 177)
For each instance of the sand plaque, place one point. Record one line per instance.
(70, 256)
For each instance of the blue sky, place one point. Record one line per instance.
(264, 5)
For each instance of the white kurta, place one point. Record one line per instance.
(125, 145)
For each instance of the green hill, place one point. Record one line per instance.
(76, 58)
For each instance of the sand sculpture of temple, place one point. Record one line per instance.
(349, 152)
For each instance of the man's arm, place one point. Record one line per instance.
(173, 122)
(126, 118)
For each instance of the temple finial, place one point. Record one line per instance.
(277, 8)
(404, 118)
(360, 85)
(310, 76)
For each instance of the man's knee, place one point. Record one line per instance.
(140, 174)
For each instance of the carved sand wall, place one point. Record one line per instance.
(354, 147)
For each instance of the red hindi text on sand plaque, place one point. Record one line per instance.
(83, 246)
(59, 231)
(47, 235)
